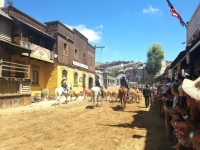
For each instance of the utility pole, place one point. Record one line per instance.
(100, 51)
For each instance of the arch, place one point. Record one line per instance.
(75, 71)
(64, 68)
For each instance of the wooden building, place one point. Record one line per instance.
(14, 75)
(193, 44)
(28, 33)
(75, 56)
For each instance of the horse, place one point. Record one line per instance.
(95, 93)
(61, 91)
(123, 93)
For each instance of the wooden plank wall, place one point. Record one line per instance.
(14, 101)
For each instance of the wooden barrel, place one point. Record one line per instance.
(37, 97)
(45, 93)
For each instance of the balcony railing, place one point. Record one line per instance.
(10, 69)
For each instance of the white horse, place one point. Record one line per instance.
(95, 93)
(61, 91)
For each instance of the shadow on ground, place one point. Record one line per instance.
(150, 121)
(89, 107)
(117, 108)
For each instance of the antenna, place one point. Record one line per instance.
(10, 2)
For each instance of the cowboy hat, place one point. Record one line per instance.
(192, 88)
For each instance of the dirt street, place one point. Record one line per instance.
(77, 126)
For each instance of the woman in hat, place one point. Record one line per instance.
(191, 88)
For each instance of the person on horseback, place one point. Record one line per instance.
(123, 83)
(98, 84)
(64, 85)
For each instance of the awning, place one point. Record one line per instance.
(32, 56)
(178, 58)
(2, 13)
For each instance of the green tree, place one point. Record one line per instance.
(155, 55)
(114, 72)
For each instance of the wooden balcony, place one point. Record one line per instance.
(15, 70)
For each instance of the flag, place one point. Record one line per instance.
(175, 13)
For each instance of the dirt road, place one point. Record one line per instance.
(77, 126)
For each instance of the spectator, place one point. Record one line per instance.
(193, 101)
(147, 95)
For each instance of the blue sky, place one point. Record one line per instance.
(127, 28)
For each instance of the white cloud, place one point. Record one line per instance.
(151, 10)
(100, 26)
(93, 36)
(116, 53)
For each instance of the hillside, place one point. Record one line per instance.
(116, 65)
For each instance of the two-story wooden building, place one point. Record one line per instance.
(14, 75)
(75, 57)
(34, 56)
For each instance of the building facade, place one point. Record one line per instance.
(75, 57)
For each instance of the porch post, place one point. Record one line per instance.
(29, 65)
(1, 59)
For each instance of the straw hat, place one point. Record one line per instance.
(192, 88)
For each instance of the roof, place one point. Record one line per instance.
(34, 28)
(57, 21)
(2, 13)
(178, 58)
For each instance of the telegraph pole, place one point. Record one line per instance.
(100, 51)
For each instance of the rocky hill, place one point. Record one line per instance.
(116, 65)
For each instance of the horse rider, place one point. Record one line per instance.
(123, 83)
(98, 84)
(64, 85)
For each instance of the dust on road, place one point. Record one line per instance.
(77, 126)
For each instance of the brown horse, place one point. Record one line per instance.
(123, 93)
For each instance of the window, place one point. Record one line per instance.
(30, 39)
(84, 76)
(65, 49)
(35, 74)
(64, 74)
(41, 43)
(75, 78)
(76, 54)
(90, 61)
(84, 60)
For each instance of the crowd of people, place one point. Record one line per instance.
(179, 104)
